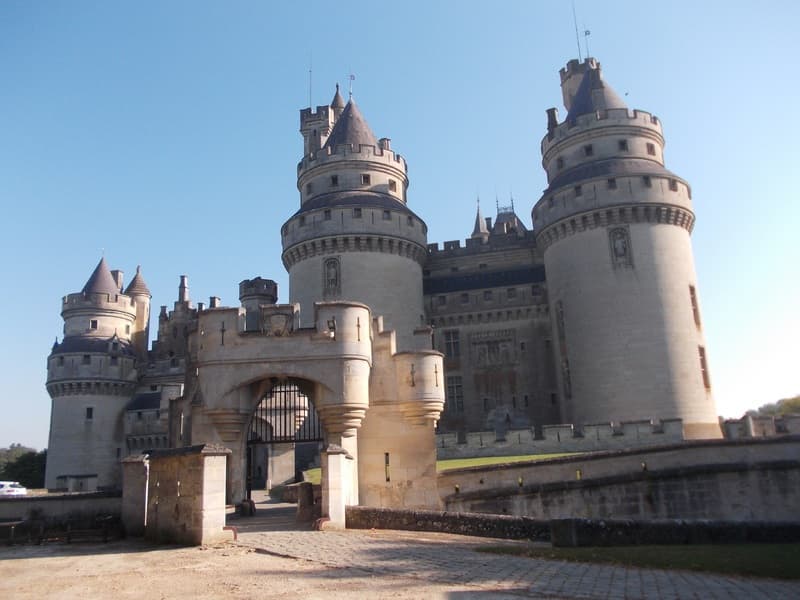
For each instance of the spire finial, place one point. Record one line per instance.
(352, 79)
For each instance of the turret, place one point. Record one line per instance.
(353, 228)
(614, 227)
(480, 231)
(253, 294)
(140, 335)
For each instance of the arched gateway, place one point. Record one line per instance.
(377, 407)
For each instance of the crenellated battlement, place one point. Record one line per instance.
(613, 117)
(562, 438)
(82, 301)
(476, 246)
(349, 152)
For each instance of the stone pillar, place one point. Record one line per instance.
(337, 483)
(135, 472)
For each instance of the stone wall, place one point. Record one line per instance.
(481, 525)
(561, 438)
(757, 479)
(58, 507)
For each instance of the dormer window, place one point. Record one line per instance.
(365, 179)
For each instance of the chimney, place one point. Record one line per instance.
(213, 302)
(183, 289)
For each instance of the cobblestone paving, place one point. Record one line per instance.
(445, 559)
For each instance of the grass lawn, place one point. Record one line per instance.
(313, 475)
(781, 561)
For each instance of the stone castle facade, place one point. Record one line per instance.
(592, 316)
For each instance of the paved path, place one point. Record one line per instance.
(449, 559)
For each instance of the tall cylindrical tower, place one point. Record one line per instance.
(91, 376)
(354, 238)
(614, 227)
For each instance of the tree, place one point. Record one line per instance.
(786, 406)
(27, 468)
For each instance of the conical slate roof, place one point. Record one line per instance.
(101, 281)
(338, 101)
(137, 286)
(480, 229)
(351, 128)
(593, 94)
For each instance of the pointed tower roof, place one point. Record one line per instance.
(351, 128)
(101, 281)
(480, 230)
(593, 94)
(137, 286)
(338, 101)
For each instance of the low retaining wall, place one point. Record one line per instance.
(494, 526)
(742, 480)
(585, 532)
(61, 507)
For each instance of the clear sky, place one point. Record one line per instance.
(165, 134)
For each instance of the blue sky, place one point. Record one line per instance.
(166, 134)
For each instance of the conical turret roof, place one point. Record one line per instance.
(351, 128)
(480, 229)
(137, 286)
(338, 101)
(593, 94)
(101, 281)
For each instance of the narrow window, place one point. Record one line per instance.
(139, 416)
(526, 400)
(647, 181)
(114, 346)
(695, 306)
(89, 413)
(387, 215)
(365, 179)
(623, 145)
(357, 213)
(302, 221)
(334, 180)
(392, 185)
(455, 393)
(452, 344)
(651, 149)
(579, 190)
(464, 298)
(560, 163)
(550, 202)
(60, 361)
(704, 367)
(327, 214)
(487, 294)
(308, 188)
(87, 359)
(511, 293)
(553, 399)
(673, 185)
(93, 324)
(612, 184)
(114, 361)
(588, 150)
(127, 328)
(409, 221)
(442, 300)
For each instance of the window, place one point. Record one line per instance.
(482, 265)
(560, 163)
(647, 181)
(651, 149)
(579, 190)
(327, 214)
(392, 185)
(87, 359)
(622, 145)
(553, 399)
(441, 300)
(511, 293)
(464, 298)
(704, 367)
(139, 416)
(308, 188)
(673, 185)
(60, 361)
(334, 180)
(127, 328)
(357, 213)
(487, 294)
(695, 306)
(452, 345)
(93, 324)
(153, 388)
(455, 393)
(365, 179)
(526, 400)
(114, 346)
(409, 221)
(302, 221)
(588, 150)
(114, 361)
(612, 184)
(387, 215)
(89, 413)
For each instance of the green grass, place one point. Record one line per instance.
(314, 475)
(781, 561)
(459, 463)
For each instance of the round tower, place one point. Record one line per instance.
(614, 226)
(354, 237)
(91, 376)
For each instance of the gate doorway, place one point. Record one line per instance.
(283, 440)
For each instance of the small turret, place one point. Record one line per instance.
(138, 290)
(480, 230)
(337, 104)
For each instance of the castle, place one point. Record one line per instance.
(590, 317)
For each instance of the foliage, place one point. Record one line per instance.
(12, 453)
(24, 465)
(787, 406)
(755, 560)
